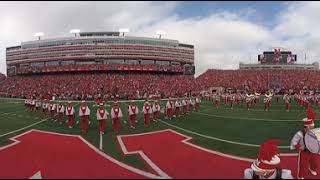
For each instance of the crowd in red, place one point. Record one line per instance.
(75, 86)
(2, 77)
(260, 80)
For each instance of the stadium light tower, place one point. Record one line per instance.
(123, 31)
(38, 35)
(75, 32)
(160, 33)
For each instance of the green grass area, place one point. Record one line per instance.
(239, 125)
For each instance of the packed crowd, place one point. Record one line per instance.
(260, 80)
(2, 77)
(75, 86)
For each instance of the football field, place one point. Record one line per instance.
(236, 132)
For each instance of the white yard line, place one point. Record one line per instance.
(249, 119)
(31, 125)
(218, 139)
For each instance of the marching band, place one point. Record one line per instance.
(176, 107)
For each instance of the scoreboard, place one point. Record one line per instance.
(277, 57)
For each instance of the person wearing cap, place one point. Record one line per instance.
(84, 113)
(44, 108)
(52, 108)
(32, 104)
(116, 114)
(177, 108)
(232, 100)
(133, 112)
(191, 104)
(156, 110)
(198, 101)
(70, 114)
(38, 104)
(266, 101)
(102, 116)
(169, 109)
(286, 99)
(185, 105)
(147, 111)
(60, 111)
(26, 102)
(217, 99)
(307, 161)
(267, 164)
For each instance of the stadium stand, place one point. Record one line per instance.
(75, 86)
(259, 79)
(2, 77)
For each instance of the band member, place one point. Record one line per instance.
(38, 104)
(133, 112)
(177, 108)
(248, 101)
(147, 111)
(217, 100)
(266, 166)
(307, 162)
(185, 105)
(84, 113)
(232, 101)
(45, 108)
(198, 101)
(32, 104)
(116, 114)
(70, 114)
(169, 109)
(26, 103)
(256, 97)
(156, 111)
(60, 111)
(52, 108)
(286, 99)
(191, 104)
(102, 116)
(266, 101)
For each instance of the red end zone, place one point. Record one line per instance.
(170, 152)
(167, 152)
(60, 156)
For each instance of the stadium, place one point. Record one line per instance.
(106, 104)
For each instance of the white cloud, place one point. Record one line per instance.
(221, 39)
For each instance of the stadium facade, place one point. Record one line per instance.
(100, 51)
(280, 59)
(313, 66)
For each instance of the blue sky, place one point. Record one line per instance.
(223, 33)
(265, 11)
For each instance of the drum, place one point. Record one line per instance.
(312, 140)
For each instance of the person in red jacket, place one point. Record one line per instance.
(133, 112)
(70, 114)
(84, 113)
(102, 116)
(52, 108)
(307, 162)
(116, 114)
(147, 111)
(60, 111)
